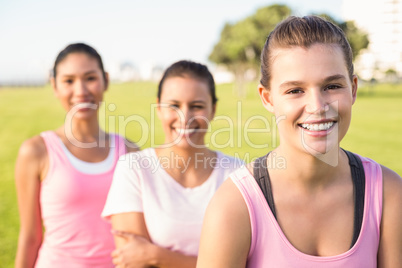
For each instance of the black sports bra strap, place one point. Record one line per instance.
(262, 177)
(359, 183)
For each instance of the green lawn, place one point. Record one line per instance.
(375, 131)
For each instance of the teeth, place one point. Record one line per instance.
(185, 131)
(318, 127)
(83, 105)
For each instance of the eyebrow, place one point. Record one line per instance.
(196, 101)
(290, 84)
(300, 83)
(87, 73)
(334, 77)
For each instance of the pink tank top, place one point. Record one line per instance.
(270, 248)
(71, 204)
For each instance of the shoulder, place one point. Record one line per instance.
(225, 236)
(392, 182)
(392, 200)
(228, 162)
(32, 159)
(391, 223)
(33, 149)
(392, 187)
(134, 162)
(137, 155)
(391, 177)
(131, 146)
(229, 199)
(227, 194)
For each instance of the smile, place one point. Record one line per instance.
(83, 105)
(317, 126)
(185, 131)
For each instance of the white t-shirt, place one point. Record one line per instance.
(173, 214)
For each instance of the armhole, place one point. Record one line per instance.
(50, 160)
(377, 185)
(120, 145)
(380, 194)
(374, 191)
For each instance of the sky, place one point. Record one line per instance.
(143, 33)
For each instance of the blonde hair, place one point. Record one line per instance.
(303, 32)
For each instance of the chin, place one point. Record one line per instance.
(326, 152)
(317, 147)
(189, 144)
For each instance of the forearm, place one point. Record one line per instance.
(165, 258)
(27, 252)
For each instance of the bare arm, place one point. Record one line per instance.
(134, 248)
(28, 169)
(390, 249)
(226, 233)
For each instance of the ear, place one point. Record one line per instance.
(354, 88)
(158, 108)
(106, 80)
(266, 98)
(53, 84)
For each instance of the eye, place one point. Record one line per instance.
(332, 86)
(91, 78)
(68, 81)
(197, 107)
(173, 105)
(294, 91)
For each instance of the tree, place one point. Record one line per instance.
(357, 38)
(240, 44)
(391, 75)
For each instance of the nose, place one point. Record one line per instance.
(316, 102)
(185, 116)
(80, 88)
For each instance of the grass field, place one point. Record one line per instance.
(375, 131)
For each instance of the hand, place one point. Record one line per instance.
(136, 253)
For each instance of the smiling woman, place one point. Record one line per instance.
(63, 176)
(158, 196)
(327, 207)
(187, 103)
(315, 95)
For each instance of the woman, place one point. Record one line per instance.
(325, 207)
(63, 176)
(160, 194)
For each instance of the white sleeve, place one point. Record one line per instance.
(125, 194)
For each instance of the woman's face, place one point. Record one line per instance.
(311, 96)
(79, 85)
(185, 111)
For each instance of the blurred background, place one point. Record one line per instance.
(139, 39)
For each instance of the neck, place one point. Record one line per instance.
(310, 171)
(83, 133)
(186, 159)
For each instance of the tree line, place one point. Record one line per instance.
(240, 43)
